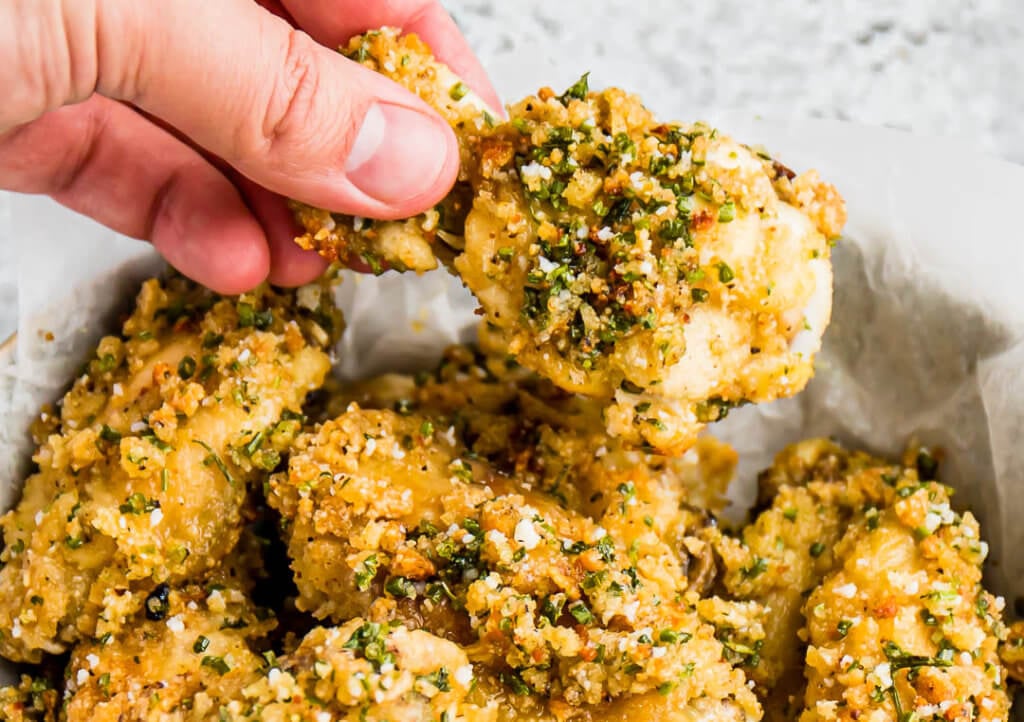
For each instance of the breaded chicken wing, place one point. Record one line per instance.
(194, 654)
(183, 658)
(553, 441)
(884, 580)
(143, 471)
(392, 517)
(662, 268)
(364, 670)
(33, 699)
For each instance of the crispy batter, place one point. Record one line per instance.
(412, 244)
(142, 475)
(367, 671)
(1011, 651)
(180, 659)
(895, 617)
(548, 439)
(662, 268)
(392, 517)
(33, 699)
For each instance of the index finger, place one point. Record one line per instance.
(334, 22)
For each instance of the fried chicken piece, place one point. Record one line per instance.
(787, 551)
(33, 699)
(919, 638)
(413, 244)
(364, 670)
(881, 578)
(189, 652)
(1011, 651)
(142, 476)
(662, 268)
(552, 440)
(392, 517)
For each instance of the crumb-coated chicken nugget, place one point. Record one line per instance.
(663, 268)
(1011, 651)
(143, 471)
(366, 671)
(553, 441)
(787, 550)
(411, 244)
(865, 561)
(193, 657)
(390, 516)
(904, 626)
(183, 657)
(33, 699)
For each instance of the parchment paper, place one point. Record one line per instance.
(927, 337)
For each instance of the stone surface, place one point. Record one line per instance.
(951, 68)
(939, 67)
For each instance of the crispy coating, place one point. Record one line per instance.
(1011, 651)
(412, 244)
(882, 578)
(364, 670)
(392, 517)
(142, 475)
(656, 266)
(197, 660)
(811, 492)
(33, 699)
(182, 658)
(663, 268)
(549, 439)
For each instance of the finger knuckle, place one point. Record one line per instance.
(291, 105)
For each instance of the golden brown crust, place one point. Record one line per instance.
(392, 517)
(662, 268)
(33, 699)
(882, 580)
(142, 476)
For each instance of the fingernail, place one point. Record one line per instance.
(399, 154)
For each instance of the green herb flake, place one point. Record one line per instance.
(577, 90)
(725, 274)
(756, 569)
(214, 458)
(217, 664)
(200, 644)
(111, 436)
(138, 503)
(581, 613)
(186, 368)
(400, 587)
(367, 572)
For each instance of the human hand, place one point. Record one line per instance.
(185, 122)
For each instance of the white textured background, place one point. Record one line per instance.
(951, 68)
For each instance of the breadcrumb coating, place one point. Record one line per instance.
(33, 699)
(391, 517)
(867, 562)
(143, 471)
(662, 268)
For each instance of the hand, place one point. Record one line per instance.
(180, 122)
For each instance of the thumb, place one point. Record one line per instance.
(288, 113)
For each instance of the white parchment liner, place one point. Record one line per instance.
(927, 336)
